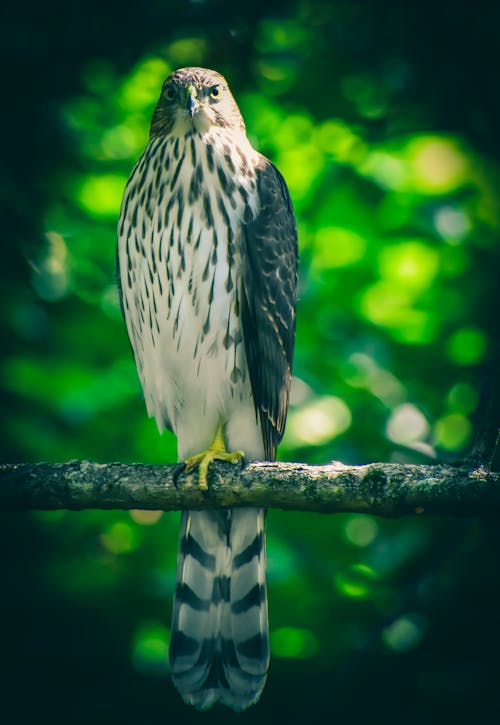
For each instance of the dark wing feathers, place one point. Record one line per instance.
(268, 302)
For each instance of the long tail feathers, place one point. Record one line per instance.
(219, 650)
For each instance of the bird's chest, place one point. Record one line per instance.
(207, 201)
(185, 245)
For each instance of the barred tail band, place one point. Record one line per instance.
(219, 649)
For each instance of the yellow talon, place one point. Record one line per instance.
(216, 451)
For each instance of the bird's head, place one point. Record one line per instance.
(195, 98)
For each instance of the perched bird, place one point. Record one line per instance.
(207, 263)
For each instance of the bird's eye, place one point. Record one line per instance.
(170, 93)
(215, 92)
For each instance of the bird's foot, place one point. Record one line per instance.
(216, 451)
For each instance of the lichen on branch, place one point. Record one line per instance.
(383, 489)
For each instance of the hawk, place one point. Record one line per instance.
(207, 265)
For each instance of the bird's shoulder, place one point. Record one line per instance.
(271, 184)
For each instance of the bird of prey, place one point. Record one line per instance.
(207, 264)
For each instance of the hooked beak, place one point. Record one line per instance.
(192, 101)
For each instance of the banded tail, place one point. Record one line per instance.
(219, 650)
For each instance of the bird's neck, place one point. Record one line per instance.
(223, 142)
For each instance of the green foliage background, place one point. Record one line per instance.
(383, 118)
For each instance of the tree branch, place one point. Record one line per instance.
(384, 489)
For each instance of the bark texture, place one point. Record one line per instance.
(384, 489)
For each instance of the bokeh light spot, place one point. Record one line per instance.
(386, 169)
(356, 582)
(120, 538)
(293, 642)
(439, 165)
(463, 398)
(340, 141)
(389, 305)
(361, 371)
(150, 648)
(187, 51)
(384, 303)
(411, 264)
(468, 346)
(300, 392)
(275, 36)
(146, 518)
(101, 195)
(453, 224)
(405, 633)
(361, 530)
(337, 247)
(51, 273)
(407, 425)
(453, 431)
(141, 89)
(320, 421)
(124, 141)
